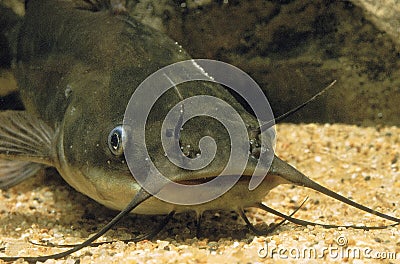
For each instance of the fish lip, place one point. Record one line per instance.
(246, 176)
(210, 178)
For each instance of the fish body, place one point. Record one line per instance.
(77, 70)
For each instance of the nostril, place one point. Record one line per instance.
(189, 151)
(255, 153)
(255, 148)
(186, 151)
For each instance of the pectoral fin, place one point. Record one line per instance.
(25, 146)
(13, 172)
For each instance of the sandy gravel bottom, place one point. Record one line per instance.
(360, 163)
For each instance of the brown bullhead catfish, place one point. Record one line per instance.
(77, 69)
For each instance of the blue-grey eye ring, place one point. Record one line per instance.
(115, 141)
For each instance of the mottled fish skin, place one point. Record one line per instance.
(77, 69)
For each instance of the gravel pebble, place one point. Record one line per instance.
(358, 162)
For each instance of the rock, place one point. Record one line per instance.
(11, 13)
(294, 48)
(385, 14)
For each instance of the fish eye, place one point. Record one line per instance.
(115, 141)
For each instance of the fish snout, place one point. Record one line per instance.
(250, 156)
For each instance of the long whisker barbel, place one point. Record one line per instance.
(280, 118)
(140, 197)
(305, 223)
(148, 236)
(268, 230)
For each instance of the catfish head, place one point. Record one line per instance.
(78, 69)
(109, 155)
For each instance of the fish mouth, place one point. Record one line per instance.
(203, 180)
